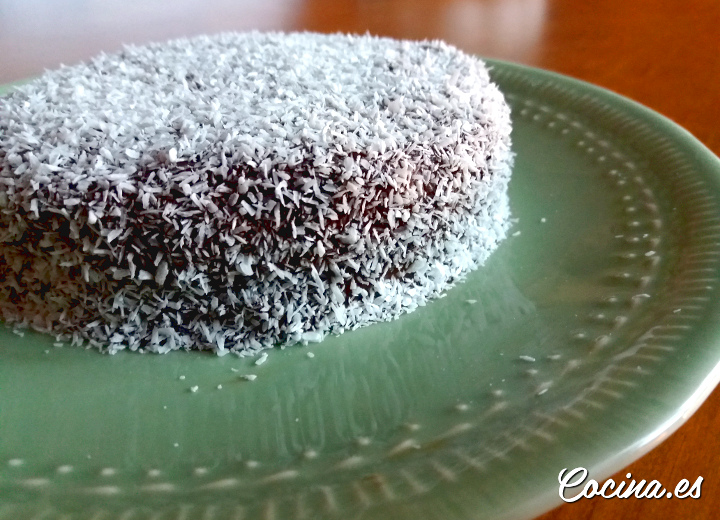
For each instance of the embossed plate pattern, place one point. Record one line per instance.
(591, 334)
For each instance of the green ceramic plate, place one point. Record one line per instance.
(595, 334)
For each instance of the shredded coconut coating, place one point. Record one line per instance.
(241, 191)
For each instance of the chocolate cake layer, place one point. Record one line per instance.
(242, 191)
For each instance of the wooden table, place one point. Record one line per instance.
(662, 53)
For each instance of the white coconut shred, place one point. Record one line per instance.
(241, 191)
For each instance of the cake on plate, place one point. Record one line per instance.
(241, 191)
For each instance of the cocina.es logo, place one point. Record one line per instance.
(610, 489)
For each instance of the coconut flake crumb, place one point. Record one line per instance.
(529, 359)
(249, 377)
(194, 389)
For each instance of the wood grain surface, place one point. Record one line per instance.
(662, 53)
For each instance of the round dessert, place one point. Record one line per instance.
(242, 191)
